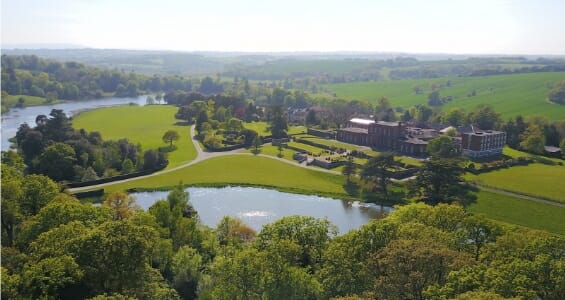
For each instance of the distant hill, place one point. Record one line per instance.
(512, 94)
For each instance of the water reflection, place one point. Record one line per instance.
(257, 207)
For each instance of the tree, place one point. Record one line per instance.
(48, 278)
(170, 136)
(434, 99)
(533, 140)
(257, 143)
(485, 117)
(153, 159)
(405, 268)
(57, 162)
(562, 146)
(557, 94)
(278, 124)
(201, 119)
(311, 118)
(234, 125)
(12, 195)
(378, 170)
(442, 147)
(232, 231)
(186, 272)
(349, 168)
(479, 232)
(280, 149)
(455, 117)
(441, 181)
(310, 234)
(122, 204)
(150, 100)
(38, 190)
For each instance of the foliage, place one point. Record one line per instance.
(557, 94)
(441, 181)
(170, 136)
(378, 170)
(442, 147)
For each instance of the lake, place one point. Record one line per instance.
(257, 207)
(12, 120)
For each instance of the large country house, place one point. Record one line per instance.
(396, 136)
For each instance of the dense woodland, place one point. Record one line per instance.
(55, 247)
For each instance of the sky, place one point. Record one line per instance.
(418, 26)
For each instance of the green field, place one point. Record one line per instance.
(262, 128)
(140, 124)
(520, 211)
(12, 100)
(270, 150)
(245, 170)
(536, 179)
(510, 95)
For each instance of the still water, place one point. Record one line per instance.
(257, 207)
(12, 120)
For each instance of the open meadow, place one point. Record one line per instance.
(520, 211)
(510, 95)
(140, 124)
(245, 170)
(538, 180)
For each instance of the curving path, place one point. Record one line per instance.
(201, 156)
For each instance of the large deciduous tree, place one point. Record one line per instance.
(441, 181)
(442, 147)
(57, 162)
(170, 136)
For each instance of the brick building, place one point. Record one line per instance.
(479, 143)
(390, 136)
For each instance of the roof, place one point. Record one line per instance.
(415, 141)
(354, 130)
(552, 149)
(446, 129)
(388, 123)
(361, 121)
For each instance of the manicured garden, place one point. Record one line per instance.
(140, 124)
(520, 211)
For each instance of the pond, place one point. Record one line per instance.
(12, 120)
(257, 207)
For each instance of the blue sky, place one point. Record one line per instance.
(449, 26)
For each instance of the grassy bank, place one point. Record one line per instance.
(246, 170)
(520, 211)
(536, 179)
(140, 124)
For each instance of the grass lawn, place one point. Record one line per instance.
(12, 100)
(535, 180)
(330, 143)
(510, 95)
(513, 153)
(140, 124)
(261, 128)
(314, 150)
(246, 170)
(520, 211)
(274, 151)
